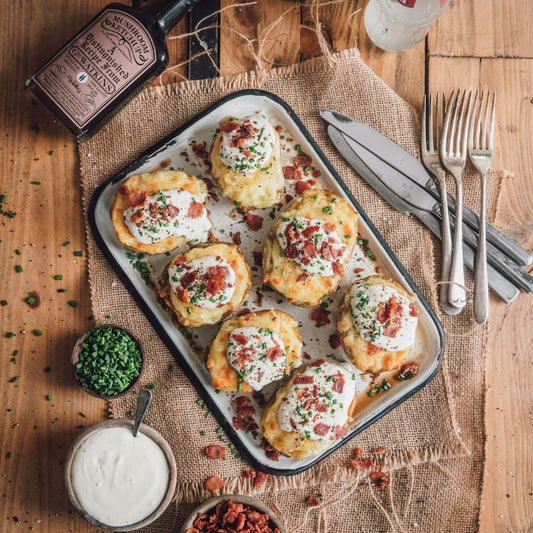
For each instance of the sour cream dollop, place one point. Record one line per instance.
(246, 145)
(119, 479)
(166, 214)
(382, 316)
(207, 282)
(312, 244)
(257, 354)
(318, 401)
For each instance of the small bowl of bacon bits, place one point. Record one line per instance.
(232, 513)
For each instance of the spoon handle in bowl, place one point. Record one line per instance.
(143, 401)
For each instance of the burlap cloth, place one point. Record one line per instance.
(434, 441)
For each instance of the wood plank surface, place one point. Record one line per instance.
(482, 43)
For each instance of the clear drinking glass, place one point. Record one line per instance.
(398, 25)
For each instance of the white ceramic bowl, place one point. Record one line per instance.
(149, 432)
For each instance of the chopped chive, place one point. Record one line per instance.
(153, 386)
(35, 182)
(8, 455)
(3, 199)
(30, 300)
(48, 397)
(3, 303)
(66, 243)
(13, 379)
(78, 253)
(10, 334)
(51, 152)
(37, 332)
(19, 269)
(202, 433)
(47, 370)
(61, 290)
(73, 303)
(83, 415)
(18, 252)
(58, 277)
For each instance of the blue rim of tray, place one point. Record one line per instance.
(161, 331)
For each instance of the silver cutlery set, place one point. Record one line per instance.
(464, 126)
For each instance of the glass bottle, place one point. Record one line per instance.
(399, 25)
(107, 63)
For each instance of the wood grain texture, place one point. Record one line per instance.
(482, 43)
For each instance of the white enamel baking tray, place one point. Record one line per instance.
(175, 152)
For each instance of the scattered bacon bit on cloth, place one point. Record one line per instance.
(380, 479)
(360, 463)
(214, 451)
(255, 222)
(311, 501)
(231, 517)
(258, 476)
(214, 483)
(379, 449)
(321, 316)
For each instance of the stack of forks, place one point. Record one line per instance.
(449, 132)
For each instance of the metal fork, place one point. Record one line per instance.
(429, 150)
(453, 156)
(480, 146)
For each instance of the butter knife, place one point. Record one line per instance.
(405, 163)
(498, 283)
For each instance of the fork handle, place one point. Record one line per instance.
(481, 289)
(457, 294)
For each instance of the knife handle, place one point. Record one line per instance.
(501, 241)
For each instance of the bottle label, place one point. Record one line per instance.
(97, 66)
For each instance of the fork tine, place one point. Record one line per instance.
(467, 118)
(430, 123)
(424, 124)
(493, 112)
(438, 117)
(447, 135)
(475, 125)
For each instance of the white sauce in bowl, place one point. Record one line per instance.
(119, 479)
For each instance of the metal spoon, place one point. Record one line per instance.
(143, 401)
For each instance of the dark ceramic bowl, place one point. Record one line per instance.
(76, 357)
(149, 432)
(209, 506)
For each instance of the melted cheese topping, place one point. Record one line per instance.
(207, 282)
(258, 356)
(382, 316)
(318, 401)
(247, 144)
(168, 213)
(311, 243)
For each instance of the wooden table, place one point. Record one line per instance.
(480, 43)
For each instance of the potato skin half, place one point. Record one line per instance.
(284, 275)
(291, 443)
(192, 315)
(151, 183)
(223, 375)
(365, 356)
(262, 188)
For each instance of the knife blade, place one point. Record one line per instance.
(405, 163)
(421, 199)
(498, 283)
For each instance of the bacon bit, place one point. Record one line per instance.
(255, 222)
(338, 268)
(411, 368)
(309, 249)
(188, 279)
(137, 198)
(301, 379)
(237, 238)
(214, 451)
(200, 151)
(321, 316)
(317, 363)
(316, 173)
(244, 420)
(259, 297)
(302, 161)
(244, 311)
(362, 464)
(137, 217)
(214, 483)
(270, 451)
(291, 251)
(289, 173)
(243, 134)
(239, 338)
(334, 341)
(195, 210)
(306, 355)
(358, 270)
(328, 226)
(358, 453)
(381, 449)
(172, 211)
(273, 353)
(340, 431)
(322, 429)
(278, 128)
(311, 501)
(338, 382)
(288, 198)
(302, 185)
(310, 230)
(380, 479)
(213, 195)
(302, 278)
(260, 478)
(390, 313)
(228, 127)
(183, 295)
(258, 258)
(216, 280)
(413, 309)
